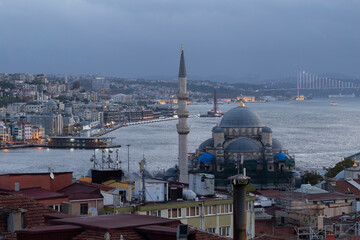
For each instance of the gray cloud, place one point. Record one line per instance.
(142, 38)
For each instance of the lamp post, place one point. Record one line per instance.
(128, 145)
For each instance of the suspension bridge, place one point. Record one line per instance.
(306, 80)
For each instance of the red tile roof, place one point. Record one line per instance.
(116, 221)
(131, 227)
(32, 218)
(42, 173)
(41, 194)
(343, 186)
(35, 211)
(81, 190)
(101, 186)
(301, 196)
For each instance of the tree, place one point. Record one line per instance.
(76, 85)
(312, 177)
(346, 163)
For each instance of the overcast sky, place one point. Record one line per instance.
(142, 38)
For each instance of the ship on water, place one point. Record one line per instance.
(342, 96)
(81, 142)
(215, 111)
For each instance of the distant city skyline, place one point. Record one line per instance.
(223, 40)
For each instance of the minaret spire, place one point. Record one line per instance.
(182, 127)
(182, 69)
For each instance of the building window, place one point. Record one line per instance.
(224, 231)
(224, 208)
(56, 207)
(212, 230)
(174, 213)
(193, 211)
(155, 213)
(84, 207)
(210, 210)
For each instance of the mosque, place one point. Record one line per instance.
(241, 143)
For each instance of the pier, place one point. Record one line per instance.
(106, 131)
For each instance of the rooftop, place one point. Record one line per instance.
(40, 194)
(115, 221)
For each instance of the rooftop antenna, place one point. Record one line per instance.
(52, 176)
(94, 160)
(109, 160)
(118, 162)
(103, 158)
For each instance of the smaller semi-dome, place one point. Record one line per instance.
(206, 158)
(207, 143)
(217, 129)
(243, 145)
(266, 130)
(282, 157)
(276, 145)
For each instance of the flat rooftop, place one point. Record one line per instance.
(116, 221)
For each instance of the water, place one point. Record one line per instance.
(315, 132)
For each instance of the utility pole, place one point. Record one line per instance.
(142, 164)
(128, 158)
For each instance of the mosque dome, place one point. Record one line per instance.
(50, 102)
(276, 145)
(241, 117)
(207, 143)
(243, 145)
(266, 130)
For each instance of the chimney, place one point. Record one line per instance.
(239, 183)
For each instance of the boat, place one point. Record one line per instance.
(81, 142)
(300, 98)
(215, 112)
(333, 103)
(342, 96)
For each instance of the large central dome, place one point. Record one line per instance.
(241, 117)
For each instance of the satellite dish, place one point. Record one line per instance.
(52, 175)
(107, 236)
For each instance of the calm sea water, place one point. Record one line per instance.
(317, 133)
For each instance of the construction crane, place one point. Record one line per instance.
(105, 91)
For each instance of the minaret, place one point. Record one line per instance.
(182, 127)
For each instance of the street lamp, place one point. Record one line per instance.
(128, 145)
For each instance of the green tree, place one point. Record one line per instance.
(76, 85)
(312, 177)
(346, 163)
(4, 85)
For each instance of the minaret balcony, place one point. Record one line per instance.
(182, 130)
(183, 114)
(183, 96)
